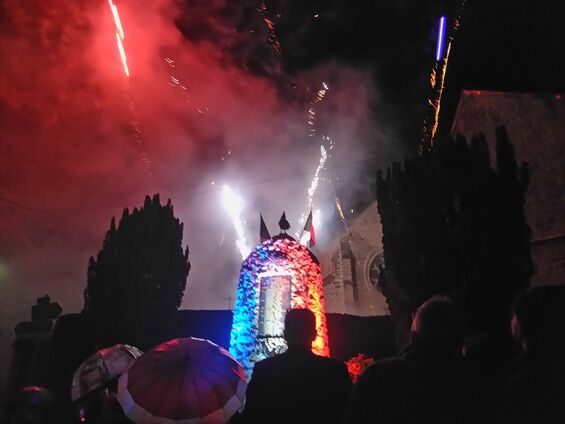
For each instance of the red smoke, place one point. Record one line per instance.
(71, 156)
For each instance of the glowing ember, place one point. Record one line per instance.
(278, 275)
(233, 205)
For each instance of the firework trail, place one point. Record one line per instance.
(314, 185)
(315, 181)
(440, 85)
(437, 80)
(233, 204)
(120, 37)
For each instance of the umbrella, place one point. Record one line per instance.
(101, 367)
(184, 381)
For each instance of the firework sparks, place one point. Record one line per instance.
(314, 184)
(184, 91)
(138, 136)
(233, 204)
(272, 37)
(312, 109)
(175, 82)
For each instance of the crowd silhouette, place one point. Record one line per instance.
(431, 380)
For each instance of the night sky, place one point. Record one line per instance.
(216, 96)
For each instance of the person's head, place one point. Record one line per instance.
(539, 318)
(439, 323)
(300, 328)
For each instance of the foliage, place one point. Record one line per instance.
(136, 283)
(454, 225)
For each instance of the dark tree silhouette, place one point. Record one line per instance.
(454, 225)
(136, 283)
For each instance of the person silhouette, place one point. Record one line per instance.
(536, 393)
(427, 382)
(297, 386)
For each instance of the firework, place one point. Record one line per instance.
(120, 36)
(441, 38)
(437, 80)
(233, 204)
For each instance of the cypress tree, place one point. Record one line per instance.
(137, 281)
(455, 225)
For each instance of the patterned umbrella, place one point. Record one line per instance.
(186, 381)
(101, 367)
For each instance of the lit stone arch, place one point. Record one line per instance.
(278, 274)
